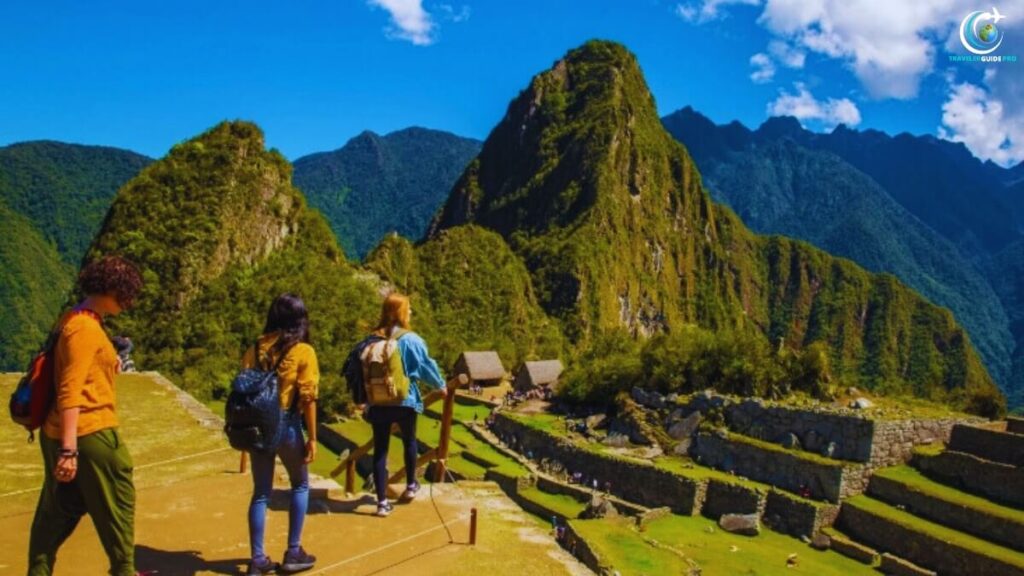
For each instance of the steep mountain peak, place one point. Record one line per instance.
(585, 134)
(778, 127)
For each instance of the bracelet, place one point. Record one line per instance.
(67, 453)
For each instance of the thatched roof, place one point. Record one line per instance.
(540, 373)
(481, 365)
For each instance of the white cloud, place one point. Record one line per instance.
(973, 116)
(764, 68)
(451, 14)
(889, 45)
(805, 107)
(789, 56)
(409, 21)
(707, 10)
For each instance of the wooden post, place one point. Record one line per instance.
(350, 476)
(472, 527)
(446, 427)
(243, 464)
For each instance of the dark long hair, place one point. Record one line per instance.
(288, 315)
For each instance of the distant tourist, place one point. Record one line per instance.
(285, 344)
(87, 467)
(123, 346)
(392, 390)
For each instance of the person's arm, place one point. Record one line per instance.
(307, 386)
(76, 348)
(422, 367)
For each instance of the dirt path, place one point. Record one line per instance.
(198, 526)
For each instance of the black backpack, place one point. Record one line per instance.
(353, 370)
(253, 415)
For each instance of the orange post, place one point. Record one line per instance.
(350, 477)
(243, 464)
(446, 427)
(472, 527)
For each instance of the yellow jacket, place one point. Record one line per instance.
(85, 365)
(298, 371)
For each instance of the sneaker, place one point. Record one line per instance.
(260, 566)
(384, 509)
(298, 560)
(410, 492)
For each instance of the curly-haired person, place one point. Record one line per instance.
(87, 466)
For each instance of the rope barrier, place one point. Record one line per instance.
(392, 544)
(137, 468)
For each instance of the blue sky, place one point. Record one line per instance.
(146, 75)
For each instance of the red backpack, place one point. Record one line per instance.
(33, 397)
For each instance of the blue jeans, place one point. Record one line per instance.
(292, 452)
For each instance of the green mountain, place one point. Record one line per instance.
(219, 231)
(778, 186)
(34, 283)
(379, 184)
(609, 213)
(474, 294)
(65, 189)
(938, 181)
(1006, 269)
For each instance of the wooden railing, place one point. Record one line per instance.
(439, 452)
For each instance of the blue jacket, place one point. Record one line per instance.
(419, 367)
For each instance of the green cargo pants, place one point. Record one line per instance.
(102, 488)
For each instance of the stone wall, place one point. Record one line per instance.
(992, 445)
(928, 551)
(990, 527)
(631, 480)
(725, 498)
(823, 480)
(1015, 425)
(797, 516)
(578, 547)
(999, 482)
(894, 440)
(842, 434)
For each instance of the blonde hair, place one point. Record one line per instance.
(394, 312)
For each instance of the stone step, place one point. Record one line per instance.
(1015, 425)
(927, 544)
(797, 471)
(897, 566)
(1000, 482)
(989, 444)
(919, 495)
(850, 548)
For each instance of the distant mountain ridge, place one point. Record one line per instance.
(780, 180)
(53, 196)
(378, 184)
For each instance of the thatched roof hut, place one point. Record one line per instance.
(537, 374)
(483, 368)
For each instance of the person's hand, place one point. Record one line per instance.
(310, 450)
(120, 366)
(67, 467)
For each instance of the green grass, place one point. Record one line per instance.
(561, 504)
(929, 450)
(666, 543)
(917, 482)
(954, 537)
(153, 425)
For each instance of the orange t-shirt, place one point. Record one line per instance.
(85, 365)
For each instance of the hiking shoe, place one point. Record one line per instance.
(298, 560)
(384, 509)
(410, 492)
(260, 566)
